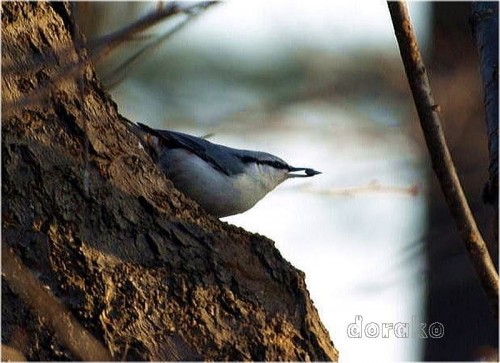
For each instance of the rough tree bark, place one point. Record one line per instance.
(140, 266)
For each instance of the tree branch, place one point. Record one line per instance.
(428, 112)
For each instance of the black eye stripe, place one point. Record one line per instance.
(273, 163)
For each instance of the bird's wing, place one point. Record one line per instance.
(220, 157)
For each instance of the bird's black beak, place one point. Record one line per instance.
(308, 172)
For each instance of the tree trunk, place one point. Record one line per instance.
(484, 22)
(140, 266)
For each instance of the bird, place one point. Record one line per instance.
(224, 181)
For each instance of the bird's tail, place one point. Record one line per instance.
(147, 137)
(135, 129)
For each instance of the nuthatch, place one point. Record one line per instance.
(222, 180)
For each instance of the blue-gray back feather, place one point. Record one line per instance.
(228, 160)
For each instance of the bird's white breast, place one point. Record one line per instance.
(219, 194)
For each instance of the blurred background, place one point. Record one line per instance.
(321, 85)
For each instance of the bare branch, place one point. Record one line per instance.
(107, 43)
(120, 72)
(98, 51)
(428, 112)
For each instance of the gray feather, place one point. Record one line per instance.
(228, 160)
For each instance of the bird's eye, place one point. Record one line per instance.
(279, 165)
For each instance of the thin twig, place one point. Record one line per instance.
(120, 72)
(68, 331)
(108, 43)
(98, 51)
(428, 112)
